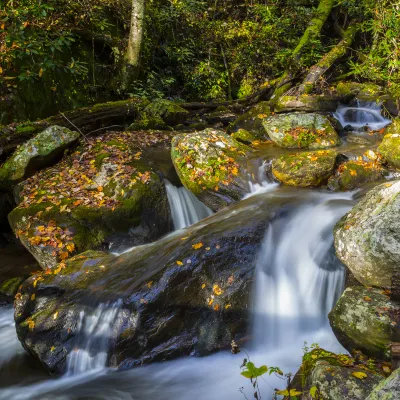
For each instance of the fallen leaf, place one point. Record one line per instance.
(197, 246)
(179, 262)
(33, 296)
(359, 375)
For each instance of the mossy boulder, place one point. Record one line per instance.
(301, 130)
(388, 389)
(390, 146)
(251, 121)
(160, 114)
(304, 169)
(185, 294)
(102, 191)
(367, 239)
(308, 103)
(363, 91)
(36, 153)
(244, 136)
(212, 165)
(353, 174)
(329, 376)
(366, 319)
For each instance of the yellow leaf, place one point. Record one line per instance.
(41, 72)
(353, 172)
(31, 324)
(203, 285)
(197, 245)
(359, 375)
(292, 392)
(1, 70)
(149, 284)
(227, 306)
(52, 348)
(102, 266)
(217, 290)
(367, 298)
(33, 296)
(210, 302)
(55, 315)
(179, 262)
(70, 247)
(313, 392)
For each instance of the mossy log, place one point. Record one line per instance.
(319, 69)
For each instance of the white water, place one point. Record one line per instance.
(297, 282)
(186, 209)
(9, 343)
(364, 114)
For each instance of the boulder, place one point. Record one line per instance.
(212, 165)
(103, 190)
(39, 152)
(330, 376)
(353, 174)
(186, 294)
(367, 320)
(388, 389)
(308, 103)
(363, 91)
(301, 130)
(390, 146)
(160, 114)
(304, 169)
(367, 239)
(251, 121)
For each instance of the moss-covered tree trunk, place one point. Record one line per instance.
(328, 60)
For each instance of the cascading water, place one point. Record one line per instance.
(363, 115)
(186, 209)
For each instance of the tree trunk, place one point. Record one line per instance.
(328, 60)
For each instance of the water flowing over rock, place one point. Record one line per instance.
(367, 320)
(367, 239)
(39, 152)
(212, 165)
(305, 169)
(301, 130)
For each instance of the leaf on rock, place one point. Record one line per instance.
(359, 375)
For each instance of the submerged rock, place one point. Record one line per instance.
(301, 130)
(39, 152)
(353, 174)
(367, 239)
(388, 389)
(187, 294)
(104, 188)
(304, 169)
(211, 164)
(367, 320)
(330, 376)
(390, 146)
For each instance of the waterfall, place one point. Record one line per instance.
(298, 277)
(363, 115)
(95, 332)
(186, 209)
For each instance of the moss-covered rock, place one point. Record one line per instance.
(251, 121)
(367, 320)
(104, 188)
(390, 146)
(243, 136)
(301, 130)
(304, 169)
(367, 239)
(363, 91)
(352, 174)
(331, 376)
(160, 114)
(212, 165)
(308, 103)
(388, 389)
(36, 153)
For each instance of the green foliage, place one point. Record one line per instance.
(252, 372)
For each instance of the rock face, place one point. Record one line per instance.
(301, 130)
(332, 376)
(367, 239)
(352, 174)
(314, 103)
(388, 389)
(367, 320)
(251, 121)
(188, 293)
(38, 152)
(390, 149)
(304, 169)
(105, 188)
(211, 165)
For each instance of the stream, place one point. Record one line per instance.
(297, 281)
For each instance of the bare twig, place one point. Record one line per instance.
(63, 115)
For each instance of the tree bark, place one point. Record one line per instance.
(319, 69)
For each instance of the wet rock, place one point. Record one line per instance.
(332, 376)
(301, 130)
(304, 169)
(353, 174)
(211, 164)
(388, 389)
(186, 294)
(390, 146)
(367, 320)
(308, 103)
(251, 121)
(363, 91)
(243, 136)
(367, 239)
(103, 189)
(39, 152)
